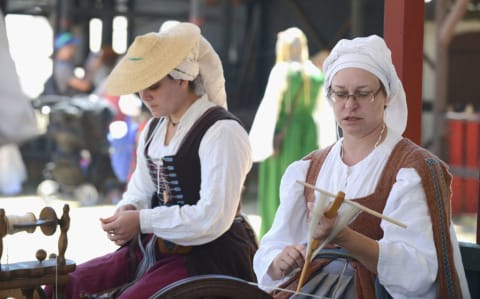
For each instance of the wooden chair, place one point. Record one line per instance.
(211, 286)
(29, 276)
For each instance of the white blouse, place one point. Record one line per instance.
(407, 264)
(225, 158)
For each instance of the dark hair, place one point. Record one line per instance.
(191, 84)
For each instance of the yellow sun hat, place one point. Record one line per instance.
(151, 57)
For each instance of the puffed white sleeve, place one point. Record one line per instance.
(407, 262)
(289, 226)
(263, 126)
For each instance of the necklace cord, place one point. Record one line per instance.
(377, 143)
(380, 136)
(174, 124)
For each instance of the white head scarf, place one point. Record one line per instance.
(204, 67)
(371, 54)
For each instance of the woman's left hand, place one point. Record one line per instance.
(324, 227)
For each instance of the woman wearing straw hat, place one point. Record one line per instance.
(180, 214)
(374, 166)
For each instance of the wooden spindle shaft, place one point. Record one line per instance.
(329, 213)
(332, 210)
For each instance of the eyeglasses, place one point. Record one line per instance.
(359, 96)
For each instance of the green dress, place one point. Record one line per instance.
(296, 135)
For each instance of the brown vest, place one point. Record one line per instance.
(436, 182)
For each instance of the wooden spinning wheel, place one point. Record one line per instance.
(31, 275)
(210, 287)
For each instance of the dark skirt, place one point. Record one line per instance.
(230, 254)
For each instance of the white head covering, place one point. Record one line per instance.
(203, 66)
(371, 54)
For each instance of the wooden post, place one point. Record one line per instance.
(446, 18)
(403, 32)
(472, 145)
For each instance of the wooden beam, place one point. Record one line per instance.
(403, 32)
(313, 32)
(458, 10)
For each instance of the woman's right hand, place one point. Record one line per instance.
(291, 258)
(118, 230)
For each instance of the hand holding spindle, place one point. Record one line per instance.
(329, 213)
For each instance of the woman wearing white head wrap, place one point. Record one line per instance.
(203, 66)
(182, 201)
(373, 165)
(371, 54)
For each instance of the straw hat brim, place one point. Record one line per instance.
(151, 57)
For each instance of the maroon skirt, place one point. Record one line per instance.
(114, 270)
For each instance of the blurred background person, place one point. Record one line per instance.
(291, 121)
(98, 67)
(65, 81)
(18, 121)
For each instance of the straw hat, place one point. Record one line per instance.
(151, 57)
